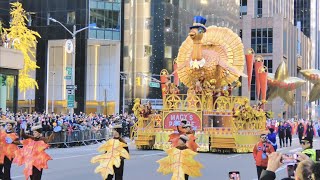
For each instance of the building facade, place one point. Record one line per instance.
(153, 33)
(268, 28)
(97, 55)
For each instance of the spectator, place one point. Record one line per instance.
(260, 153)
(306, 169)
(272, 138)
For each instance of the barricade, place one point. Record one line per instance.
(83, 137)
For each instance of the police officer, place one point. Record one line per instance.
(281, 134)
(300, 131)
(310, 133)
(307, 148)
(288, 133)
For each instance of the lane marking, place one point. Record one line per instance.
(234, 156)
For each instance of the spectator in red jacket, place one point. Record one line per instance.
(260, 153)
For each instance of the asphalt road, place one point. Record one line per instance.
(74, 163)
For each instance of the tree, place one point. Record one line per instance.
(25, 40)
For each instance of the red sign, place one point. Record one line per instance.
(173, 119)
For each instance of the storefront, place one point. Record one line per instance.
(11, 61)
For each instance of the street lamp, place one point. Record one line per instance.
(73, 34)
(123, 77)
(52, 99)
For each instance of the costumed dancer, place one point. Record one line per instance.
(180, 161)
(185, 130)
(8, 147)
(33, 154)
(112, 161)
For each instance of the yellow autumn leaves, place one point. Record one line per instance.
(180, 162)
(114, 151)
(25, 40)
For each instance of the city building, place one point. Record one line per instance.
(307, 15)
(97, 55)
(153, 33)
(11, 61)
(268, 28)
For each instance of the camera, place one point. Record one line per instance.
(234, 175)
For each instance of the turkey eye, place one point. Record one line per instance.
(200, 30)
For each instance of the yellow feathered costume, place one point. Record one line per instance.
(180, 162)
(113, 151)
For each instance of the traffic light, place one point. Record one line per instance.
(138, 81)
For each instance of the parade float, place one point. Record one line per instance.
(209, 63)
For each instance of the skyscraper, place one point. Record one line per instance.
(268, 28)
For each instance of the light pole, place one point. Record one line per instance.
(52, 99)
(73, 34)
(123, 77)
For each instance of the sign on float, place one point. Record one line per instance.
(173, 119)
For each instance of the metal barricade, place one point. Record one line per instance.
(79, 136)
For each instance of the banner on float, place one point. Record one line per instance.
(173, 119)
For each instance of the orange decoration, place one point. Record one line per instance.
(263, 79)
(32, 154)
(7, 149)
(249, 62)
(257, 66)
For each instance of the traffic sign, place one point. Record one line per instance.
(71, 87)
(70, 101)
(67, 77)
(154, 84)
(70, 91)
(69, 71)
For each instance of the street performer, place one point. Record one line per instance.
(180, 161)
(186, 130)
(33, 154)
(8, 147)
(112, 161)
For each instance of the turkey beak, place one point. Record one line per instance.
(192, 34)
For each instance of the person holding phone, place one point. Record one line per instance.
(305, 170)
(8, 147)
(260, 153)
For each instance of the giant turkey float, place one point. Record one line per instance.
(209, 63)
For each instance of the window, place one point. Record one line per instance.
(259, 8)
(243, 8)
(48, 16)
(148, 23)
(261, 40)
(71, 17)
(167, 24)
(106, 16)
(268, 64)
(125, 51)
(168, 52)
(147, 50)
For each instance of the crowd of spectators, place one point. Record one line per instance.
(69, 122)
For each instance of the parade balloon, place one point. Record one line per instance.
(282, 85)
(313, 75)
